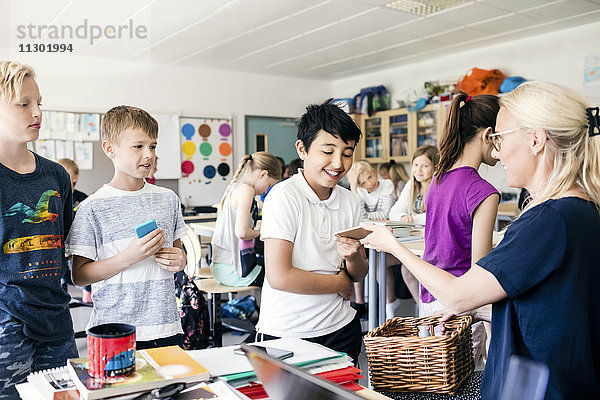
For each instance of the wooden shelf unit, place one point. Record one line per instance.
(396, 134)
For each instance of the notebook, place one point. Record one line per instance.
(54, 384)
(282, 381)
(154, 368)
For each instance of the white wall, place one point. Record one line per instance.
(556, 56)
(185, 91)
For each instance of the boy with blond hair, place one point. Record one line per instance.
(36, 330)
(131, 277)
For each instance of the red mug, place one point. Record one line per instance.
(111, 350)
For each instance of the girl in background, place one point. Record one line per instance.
(234, 260)
(399, 177)
(410, 206)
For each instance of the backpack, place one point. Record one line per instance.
(193, 311)
(481, 81)
(239, 308)
(372, 99)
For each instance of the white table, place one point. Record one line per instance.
(377, 264)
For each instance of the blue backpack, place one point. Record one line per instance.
(239, 308)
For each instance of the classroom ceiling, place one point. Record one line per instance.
(324, 39)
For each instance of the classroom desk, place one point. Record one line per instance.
(206, 229)
(377, 263)
(200, 218)
(506, 212)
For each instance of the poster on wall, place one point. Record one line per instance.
(206, 160)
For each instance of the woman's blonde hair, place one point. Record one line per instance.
(12, 74)
(398, 173)
(432, 153)
(262, 161)
(573, 155)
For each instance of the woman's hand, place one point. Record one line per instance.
(382, 238)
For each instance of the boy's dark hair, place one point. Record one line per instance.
(329, 118)
(467, 116)
(294, 166)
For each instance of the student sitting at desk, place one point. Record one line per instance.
(543, 278)
(461, 205)
(376, 199)
(309, 271)
(234, 261)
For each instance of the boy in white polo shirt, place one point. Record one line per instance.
(309, 271)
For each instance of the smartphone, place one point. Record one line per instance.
(145, 228)
(273, 352)
(357, 232)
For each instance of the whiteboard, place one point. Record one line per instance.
(207, 160)
(168, 147)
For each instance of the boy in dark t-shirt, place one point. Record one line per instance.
(36, 330)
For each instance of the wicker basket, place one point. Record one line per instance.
(401, 361)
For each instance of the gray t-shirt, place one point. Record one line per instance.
(143, 294)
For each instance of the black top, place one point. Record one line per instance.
(548, 264)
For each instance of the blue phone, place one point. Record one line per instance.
(145, 228)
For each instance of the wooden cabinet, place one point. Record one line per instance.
(395, 134)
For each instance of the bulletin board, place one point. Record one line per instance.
(68, 135)
(207, 160)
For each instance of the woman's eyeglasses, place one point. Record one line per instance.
(496, 138)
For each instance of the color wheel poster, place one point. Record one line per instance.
(206, 160)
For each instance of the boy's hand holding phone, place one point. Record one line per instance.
(149, 241)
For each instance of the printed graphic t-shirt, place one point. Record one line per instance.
(35, 217)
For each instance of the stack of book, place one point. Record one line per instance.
(399, 229)
(154, 368)
(313, 358)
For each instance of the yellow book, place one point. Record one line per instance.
(154, 368)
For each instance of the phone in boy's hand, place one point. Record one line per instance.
(273, 352)
(356, 232)
(145, 228)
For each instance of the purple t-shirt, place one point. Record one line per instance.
(449, 223)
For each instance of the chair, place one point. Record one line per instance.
(191, 245)
(214, 290)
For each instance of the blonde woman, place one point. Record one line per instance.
(543, 278)
(234, 261)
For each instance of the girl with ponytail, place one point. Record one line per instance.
(543, 277)
(462, 206)
(234, 260)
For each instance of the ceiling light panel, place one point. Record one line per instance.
(424, 7)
